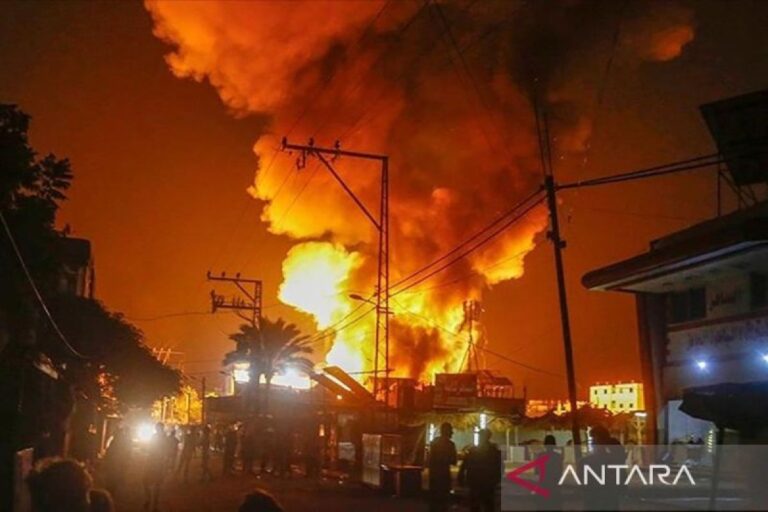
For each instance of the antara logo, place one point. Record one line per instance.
(540, 464)
(600, 474)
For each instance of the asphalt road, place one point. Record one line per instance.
(225, 493)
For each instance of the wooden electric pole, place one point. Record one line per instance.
(558, 244)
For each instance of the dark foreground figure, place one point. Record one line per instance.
(64, 485)
(442, 455)
(481, 472)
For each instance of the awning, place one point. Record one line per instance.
(737, 406)
(736, 241)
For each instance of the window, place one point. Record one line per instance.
(758, 290)
(687, 305)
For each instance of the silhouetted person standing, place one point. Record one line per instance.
(481, 471)
(607, 451)
(248, 447)
(553, 470)
(205, 454)
(154, 468)
(187, 452)
(230, 446)
(171, 449)
(117, 460)
(442, 455)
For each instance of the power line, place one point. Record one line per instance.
(36, 291)
(184, 313)
(650, 172)
(473, 248)
(336, 328)
(470, 76)
(405, 74)
(478, 272)
(641, 215)
(169, 315)
(386, 51)
(484, 349)
(478, 234)
(323, 87)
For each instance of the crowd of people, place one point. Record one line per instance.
(481, 470)
(65, 485)
(255, 447)
(167, 453)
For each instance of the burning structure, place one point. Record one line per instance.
(446, 90)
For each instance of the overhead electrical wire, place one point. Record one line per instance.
(496, 227)
(338, 327)
(469, 74)
(470, 250)
(468, 275)
(36, 291)
(484, 349)
(698, 162)
(307, 106)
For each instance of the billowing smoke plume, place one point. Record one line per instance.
(445, 89)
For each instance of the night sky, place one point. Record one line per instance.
(161, 169)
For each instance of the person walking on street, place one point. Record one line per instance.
(553, 470)
(230, 447)
(442, 455)
(171, 449)
(480, 471)
(187, 452)
(205, 454)
(154, 468)
(248, 447)
(117, 460)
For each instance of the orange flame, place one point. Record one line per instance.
(383, 77)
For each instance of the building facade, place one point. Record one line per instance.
(702, 308)
(617, 398)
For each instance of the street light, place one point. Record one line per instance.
(702, 365)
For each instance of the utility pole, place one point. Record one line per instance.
(252, 303)
(382, 226)
(470, 310)
(558, 244)
(202, 413)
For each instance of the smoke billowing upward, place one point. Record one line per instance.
(445, 89)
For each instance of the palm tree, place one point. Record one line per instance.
(269, 348)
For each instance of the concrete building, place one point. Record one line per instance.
(617, 398)
(702, 306)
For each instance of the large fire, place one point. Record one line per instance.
(445, 89)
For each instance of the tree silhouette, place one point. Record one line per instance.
(269, 348)
(118, 370)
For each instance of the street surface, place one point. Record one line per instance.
(225, 493)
